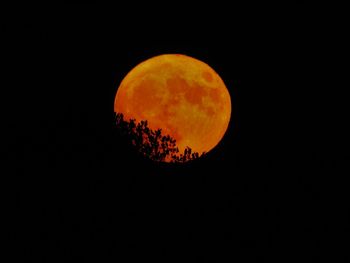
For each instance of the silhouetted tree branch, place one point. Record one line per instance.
(152, 143)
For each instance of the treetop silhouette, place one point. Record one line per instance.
(151, 143)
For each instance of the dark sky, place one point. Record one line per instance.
(272, 189)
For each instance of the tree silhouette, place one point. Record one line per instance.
(152, 143)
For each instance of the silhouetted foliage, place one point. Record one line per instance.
(152, 143)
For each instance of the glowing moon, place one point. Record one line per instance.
(181, 95)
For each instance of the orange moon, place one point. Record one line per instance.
(179, 94)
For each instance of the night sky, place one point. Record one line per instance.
(272, 189)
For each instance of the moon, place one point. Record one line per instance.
(179, 94)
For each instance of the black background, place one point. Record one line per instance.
(272, 189)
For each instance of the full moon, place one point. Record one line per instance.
(181, 95)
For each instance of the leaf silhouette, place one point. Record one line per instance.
(152, 143)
